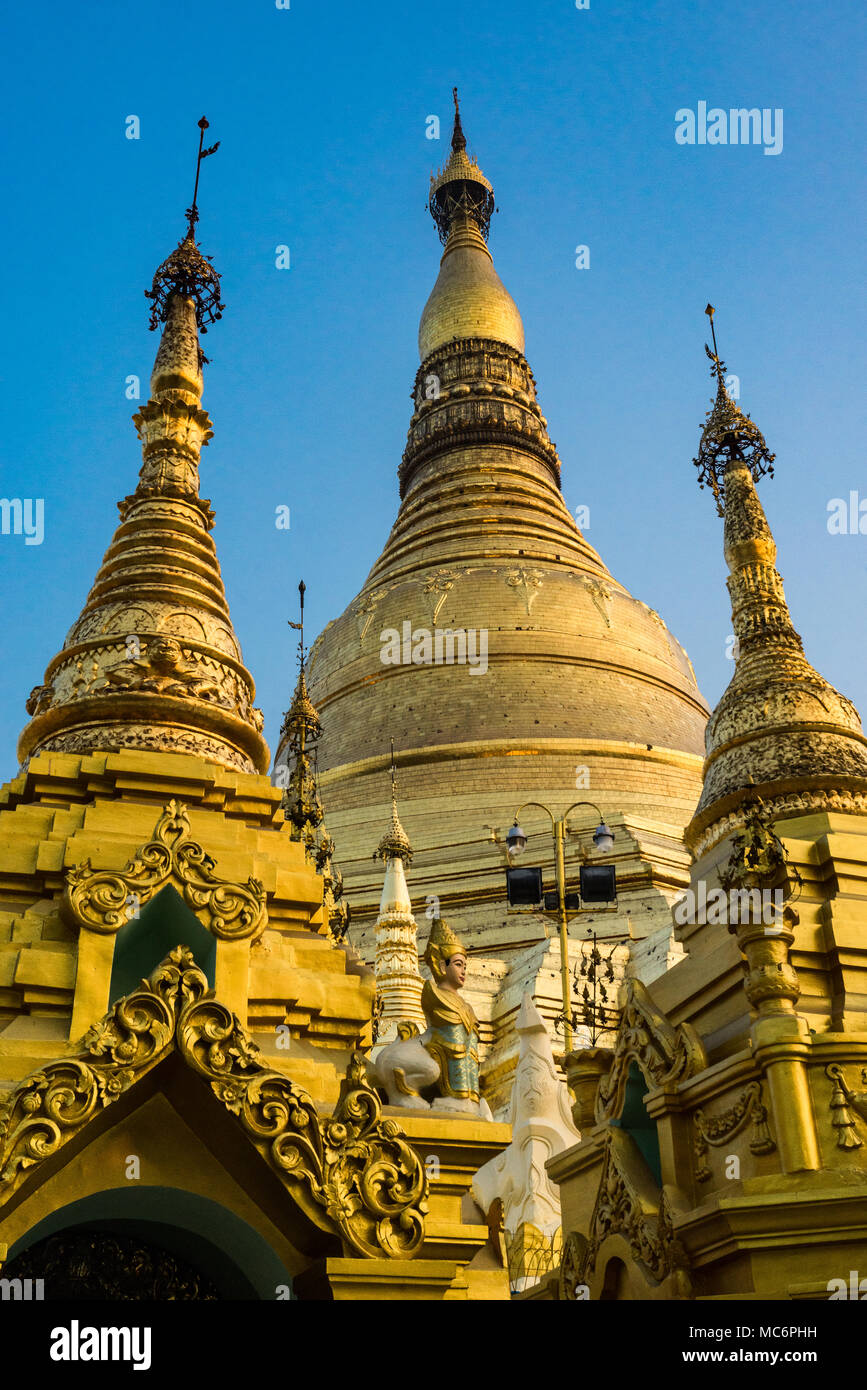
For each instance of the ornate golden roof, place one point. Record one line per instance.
(152, 661)
(468, 300)
(780, 730)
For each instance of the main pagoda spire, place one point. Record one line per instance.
(152, 661)
(780, 728)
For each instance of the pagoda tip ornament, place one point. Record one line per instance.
(395, 842)
(728, 434)
(460, 190)
(186, 271)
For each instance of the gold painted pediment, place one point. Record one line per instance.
(103, 901)
(352, 1173)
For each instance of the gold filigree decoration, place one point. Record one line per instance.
(352, 1173)
(436, 588)
(527, 579)
(665, 1054)
(601, 595)
(99, 899)
(842, 1102)
(719, 1129)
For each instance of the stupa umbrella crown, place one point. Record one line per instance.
(725, 427)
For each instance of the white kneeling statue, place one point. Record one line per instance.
(446, 1055)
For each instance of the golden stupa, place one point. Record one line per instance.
(723, 1151)
(582, 691)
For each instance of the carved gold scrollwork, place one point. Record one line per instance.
(665, 1054)
(51, 1105)
(99, 898)
(719, 1129)
(353, 1173)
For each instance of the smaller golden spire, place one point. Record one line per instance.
(779, 727)
(301, 803)
(152, 661)
(727, 428)
(301, 729)
(395, 842)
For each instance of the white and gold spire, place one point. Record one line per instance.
(398, 979)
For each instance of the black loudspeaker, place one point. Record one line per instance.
(524, 887)
(598, 883)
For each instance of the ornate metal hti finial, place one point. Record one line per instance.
(192, 212)
(299, 627)
(460, 190)
(186, 271)
(728, 434)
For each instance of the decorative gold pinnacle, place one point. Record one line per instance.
(301, 729)
(779, 727)
(395, 842)
(301, 804)
(727, 434)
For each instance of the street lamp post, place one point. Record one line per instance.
(603, 838)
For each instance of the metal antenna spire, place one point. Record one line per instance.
(192, 213)
(458, 138)
(299, 627)
(186, 271)
(710, 311)
(393, 775)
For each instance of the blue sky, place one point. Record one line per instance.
(321, 113)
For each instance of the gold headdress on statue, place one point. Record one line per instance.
(441, 946)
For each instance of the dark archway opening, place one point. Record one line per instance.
(90, 1263)
(148, 1243)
